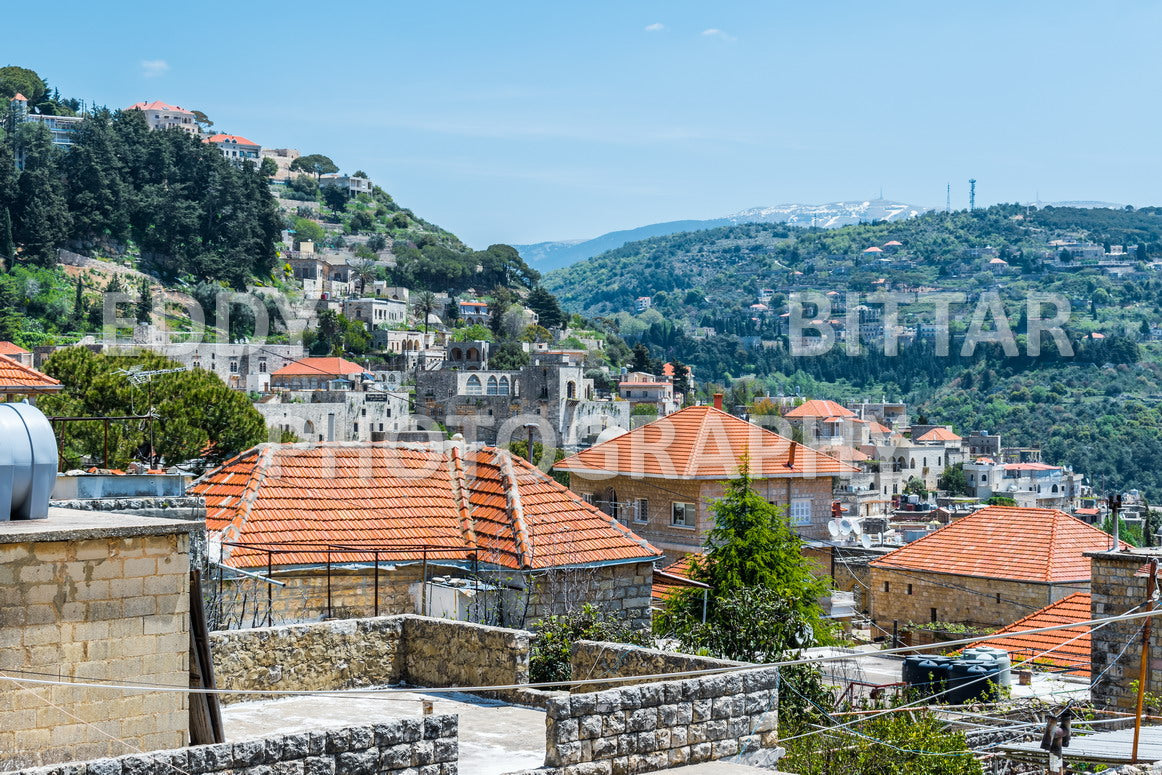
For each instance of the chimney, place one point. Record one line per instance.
(718, 401)
(791, 456)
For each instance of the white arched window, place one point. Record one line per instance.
(503, 386)
(493, 386)
(474, 387)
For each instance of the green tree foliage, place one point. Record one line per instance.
(307, 230)
(1001, 500)
(474, 332)
(953, 480)
(145, 301)
(915, 486)
(40, 215)
(508, 356)
(554, 636)
(545, 304)
(315, 164)
(268, 168)
(334, 197)
(681, 379)
(335, 335)
(199, 417)
(20, 80)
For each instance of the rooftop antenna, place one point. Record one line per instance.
(947, 197)
(971, 194)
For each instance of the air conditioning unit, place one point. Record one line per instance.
(28, 462)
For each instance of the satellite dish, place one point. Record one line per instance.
(849, 526)
(833, 528)
(865, 539)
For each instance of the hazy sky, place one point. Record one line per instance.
(527, 121)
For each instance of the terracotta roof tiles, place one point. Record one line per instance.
(18, 379)
(319, 367)
(1066, 648)
(939, 434)
(399, 498)
(8, 348)
(701, 442)
(1005, 542)
(819, 408)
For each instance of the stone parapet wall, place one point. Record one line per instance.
(410, 746)
(345, 654)
(354, 653)
(593, 659)
(653, 726)
(1116, 650)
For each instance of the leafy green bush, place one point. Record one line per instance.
(552, 647)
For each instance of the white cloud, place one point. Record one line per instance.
(655, 27)
(154, 68)
(717, 33)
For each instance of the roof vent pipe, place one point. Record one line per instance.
(28, 462)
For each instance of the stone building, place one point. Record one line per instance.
(358, 529)
(19, 382)
(493, 406)
(318, 374)
(1035, 485)
(92, 595)
(987, 569)
(337, 415)
(373, 312)
(662, 477)
(161, 115)
(1119, 586)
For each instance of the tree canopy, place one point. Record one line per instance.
(315, 163)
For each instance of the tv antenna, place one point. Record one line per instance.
(947, 197)
(971, 194)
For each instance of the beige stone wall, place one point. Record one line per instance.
(968, 600)
(106, 610)
(1116, 650)
(623, 590)
(676, 541)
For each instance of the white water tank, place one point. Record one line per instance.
(28, 461)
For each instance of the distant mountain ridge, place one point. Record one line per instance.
(547, 256)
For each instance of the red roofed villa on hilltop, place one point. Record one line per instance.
(662, 477)
(235, 148)
(315, 373)
(161, 115)
(517, 544)
(988, 569)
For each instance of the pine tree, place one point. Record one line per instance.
(7, 247)
(145, 301)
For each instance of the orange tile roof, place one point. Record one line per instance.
(232, 139)
(319, 367)
(1066, 648)
(676, 575)
(156, 105)
(819, 408)
(845, 452)
(877, 428)
(400, 497)
(939, 434)
(18, 379)
(701, 442)
(1005, 542)
(8, 348)
(19, 98)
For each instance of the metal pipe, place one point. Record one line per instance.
(330, 614)
(246, 573)
(377, 583)
(269, 590)
(424, 585)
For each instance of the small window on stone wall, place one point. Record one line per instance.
(887, 586)
(932, 615)
(909, 589)
(641, 510)
(682, 514)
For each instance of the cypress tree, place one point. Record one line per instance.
(7, 248)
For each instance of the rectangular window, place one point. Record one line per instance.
(682, 514)
(233, 367)
(909, 589)
(262, 367)
(641, 510)
(932, 615)
(800, 511)
(887, 586)
(587, 497)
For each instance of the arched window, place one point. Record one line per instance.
(571, 389)
(472, 354)
(493, 386)
(474, 387)
(503, 386)
(1054, 488)
(457, 355)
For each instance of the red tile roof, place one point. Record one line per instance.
(156, 105)
(8, 348)
(319, 367)
(819, 408)
(939, 434)
(1066, 648)
(231, 139)
(676, 575)
(399, 497)
(1005, 542)
(877, 428)
(18, 379)
(1031, 467)
(19, 98)
(701, 442)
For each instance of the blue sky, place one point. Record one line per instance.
(527, 121)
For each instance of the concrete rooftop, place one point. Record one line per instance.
(77, 525)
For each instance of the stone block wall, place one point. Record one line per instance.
(355, 653)
(593, 659)
(658, 725)
(910, 597)
(1115, 649)
(343, 654)
(440, 652)
(112, 608)
(623, 590)
(410, 746)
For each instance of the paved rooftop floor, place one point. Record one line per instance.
(495, 737)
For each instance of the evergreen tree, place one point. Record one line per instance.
(41, 217)
(144, 301)
(7, 247)
(548, 311)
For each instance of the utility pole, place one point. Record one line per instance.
(1144, 662)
